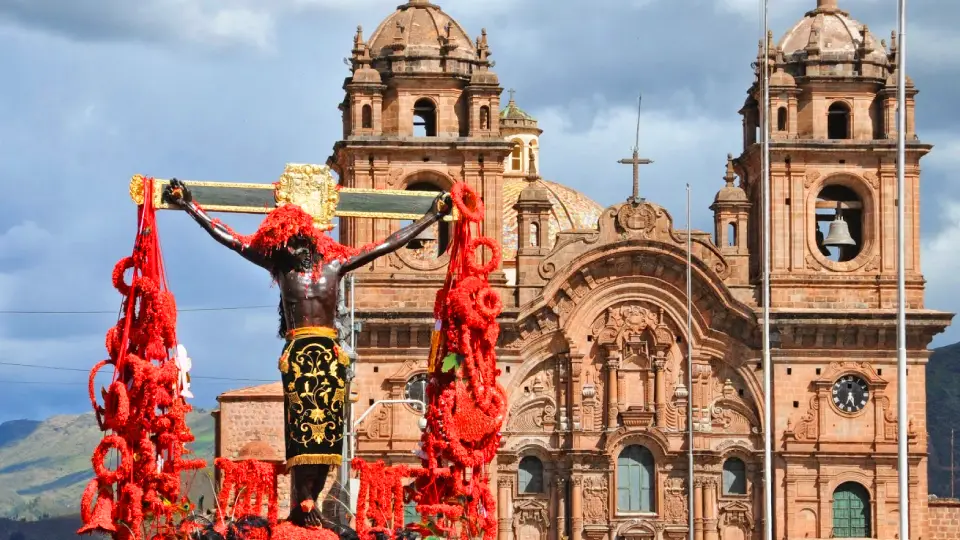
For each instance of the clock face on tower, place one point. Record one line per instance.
(850, 393)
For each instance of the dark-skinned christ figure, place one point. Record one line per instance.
(308, 266)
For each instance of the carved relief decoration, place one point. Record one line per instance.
(534, 406)
(541, 323)
(633, 329)
(808, 428)
(535, 415)
(640, 219)
(379, 424)
(739, 515)
(531, 519)
(729, 412)
(675, 500)
(595, 499)
(872, 177)
(592, 394)
(811, 177)
(645, 221)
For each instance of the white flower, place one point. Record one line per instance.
(184, 365)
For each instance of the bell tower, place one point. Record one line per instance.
(419, 114)
(832, 166)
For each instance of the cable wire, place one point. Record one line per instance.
(114, 312)
(57, 368)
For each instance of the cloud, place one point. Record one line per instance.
(218, 24)
(939, 259)
(200, 21)
(686, 145)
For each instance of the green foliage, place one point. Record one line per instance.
(451, 362)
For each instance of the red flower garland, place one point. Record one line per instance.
(466, 404)
(142, 406)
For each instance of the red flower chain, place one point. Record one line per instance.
(142, 407)
(466, 405)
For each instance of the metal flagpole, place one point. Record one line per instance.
(689, 373)
(902, 421)
(767, 364)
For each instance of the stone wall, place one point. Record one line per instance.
(944, 519)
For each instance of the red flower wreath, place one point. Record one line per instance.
(473, 248)
(124, 468)
(468, 202)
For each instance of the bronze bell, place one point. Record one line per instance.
(426, 236)
(839, 234)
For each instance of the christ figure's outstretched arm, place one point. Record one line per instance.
(442, 206)
(176, 193)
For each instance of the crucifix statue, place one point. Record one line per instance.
(307, 265)
(636, 161)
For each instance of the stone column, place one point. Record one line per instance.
(660, 392)
(577, 508)
(613, 401)
(563, 378)
(697, 508)
(553, 509)
(561, 515)
(576, 395)
(710, 510)
(505, 508)
(825, 508)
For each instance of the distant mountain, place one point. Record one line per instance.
(44, 466)
(943, 414)
(59, 528)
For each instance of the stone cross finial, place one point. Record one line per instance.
(731, 175)
(512, 93)
(636, 161)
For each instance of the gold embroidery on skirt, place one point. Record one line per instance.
(319, 396)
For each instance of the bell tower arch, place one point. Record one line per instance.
(419, 114)
(832, 167)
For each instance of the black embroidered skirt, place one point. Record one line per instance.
(313, 370)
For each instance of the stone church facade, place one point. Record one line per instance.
(594, 336)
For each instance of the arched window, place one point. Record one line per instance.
(851, 511)
(433, 242)
(837, 202)
(734, 477)
(838, 121)
(782, 119)
(635, 471)
(534, 235)
(516, 157)
(366, 114)
(530, 475)
(484, 117)
(731, 234)
(416, 388)
(424, 118)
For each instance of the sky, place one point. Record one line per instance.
(94, 91)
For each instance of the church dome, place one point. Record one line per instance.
(571, 210)
(515, 120)
(833, 35)
(730, 194)
(425, 39)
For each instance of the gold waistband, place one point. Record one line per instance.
(312, 331)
